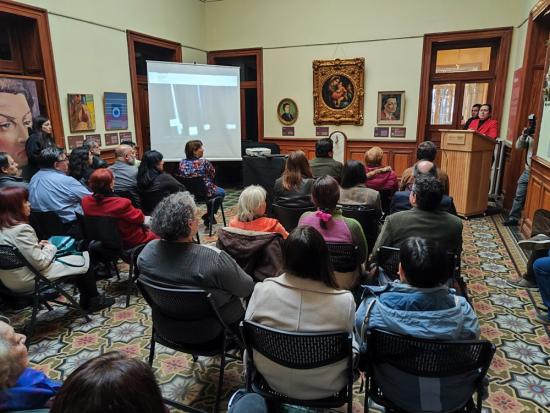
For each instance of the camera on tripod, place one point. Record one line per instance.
(532, 121)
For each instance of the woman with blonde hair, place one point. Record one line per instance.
(251, 211)
(379, 177)
(293, 188)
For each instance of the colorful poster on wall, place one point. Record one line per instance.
(81, 112)
(111, 138)
(116, 110)
(18, 105)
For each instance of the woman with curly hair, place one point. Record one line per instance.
(80, 164)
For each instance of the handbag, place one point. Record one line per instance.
(65, 245)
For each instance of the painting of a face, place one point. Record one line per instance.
(287, 111)
(338, 92)
(15, 118)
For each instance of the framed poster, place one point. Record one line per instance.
(338, 91)
(381, 132)
(111, 139)
(287, 111)
(115, 107)
(398, 132)
(81, 112)
(391, 108)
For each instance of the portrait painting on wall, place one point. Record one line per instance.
(338, 91)
(18, 105)
(391, 108)
(81, 112)
(116, 110)
(287, 111)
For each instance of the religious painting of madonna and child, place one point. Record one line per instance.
(338, 91)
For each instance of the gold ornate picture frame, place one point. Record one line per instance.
(338, 91)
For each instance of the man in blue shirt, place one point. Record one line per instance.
(51, 189)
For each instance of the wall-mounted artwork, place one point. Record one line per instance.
(381, 132)
(287, 111)
(338, 91)
(398, 132)
(391, 108)
(81, 112)
(18, 105)
(116, 110)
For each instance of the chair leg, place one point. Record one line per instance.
(220, 381)
(129, 291)
(195, 358)
(115, 266)
(211, 218)
(152, 350)
(30, 327)
(73, 303)
(198, 239)
(223, 214)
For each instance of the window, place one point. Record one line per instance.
(473, 59)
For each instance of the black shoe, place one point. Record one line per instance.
(510, 222)
(97, 303)
(538, 242)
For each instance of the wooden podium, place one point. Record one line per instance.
(467, 156)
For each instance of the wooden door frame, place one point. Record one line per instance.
(53, 103)
(133, 38)
(504, 35)
(258, 53)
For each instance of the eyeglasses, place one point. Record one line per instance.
(63, 160)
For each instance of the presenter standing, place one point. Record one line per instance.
(195, 165)
(484, 124)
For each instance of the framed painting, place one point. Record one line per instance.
(338, 91)
(115, 106)
(287, 111)
(391, 108)
(81, 112)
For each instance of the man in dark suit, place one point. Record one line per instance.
(324, 164)
(287, 116)
(424, 220)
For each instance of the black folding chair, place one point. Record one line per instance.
(369, 219)
(150, 199)
(302, 351)
(196, 186)
(11, 259)
(187, 319)
(134, 198)
(400, 359)
(387, 258)
(46, 224)
(109, 246)
(343, 257)
(385, 198)
(289, 217)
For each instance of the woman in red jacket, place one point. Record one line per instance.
(104, 203)
(484, 124)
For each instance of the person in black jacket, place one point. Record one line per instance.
(97, 161)
(40, 138)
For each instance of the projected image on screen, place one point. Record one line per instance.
(189, 101)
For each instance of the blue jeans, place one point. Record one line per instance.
(220, 192)
(250, 402)
(519, 199)
(541, 269)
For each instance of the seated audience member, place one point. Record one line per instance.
(152, 178)
(97, 161)
(176, 259)
(426, 151)
(132, 145)
(475, 111)
(334, 227)
(21, 387)
(379, 177)
(104, 203)
(194, 165)
(80, 164)
(401, 199)
(15, 231)
(324, 164)
(293, 188)
(40, 138)
(251, 212)
(419, 304)
(305, 298)
(484, 124)
(51, 189)
(425, 219)
(125, 172)
(541, 269)
(110, 383)
(9, 172)
(353, 190)
(243, 402)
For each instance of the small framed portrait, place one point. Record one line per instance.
(338, 91)
(391, 108)
(287, 111)
(81, 112)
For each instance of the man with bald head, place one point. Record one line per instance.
(126, 173)
(401, 199)
(426, 151)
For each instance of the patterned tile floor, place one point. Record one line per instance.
(519, 376)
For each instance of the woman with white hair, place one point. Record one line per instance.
(251, 211)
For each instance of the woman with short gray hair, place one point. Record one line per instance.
(177, 260)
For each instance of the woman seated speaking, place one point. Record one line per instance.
(251, 212)
(293, 188)
(152, 178)
(305, 298)
(15, 231)
(104, 203)
(353, 190)
(176, 259)
(336, 228)
(195, 165)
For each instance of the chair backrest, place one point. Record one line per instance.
(10, 258)
(46, 224)
(136, 201)
(297, 350)
(180, 313)
(289, 217)
(343, 257)
(369, 219)
(150, 199)
(385, 199)
(103, 229)
(194, 185)
(428, 359)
